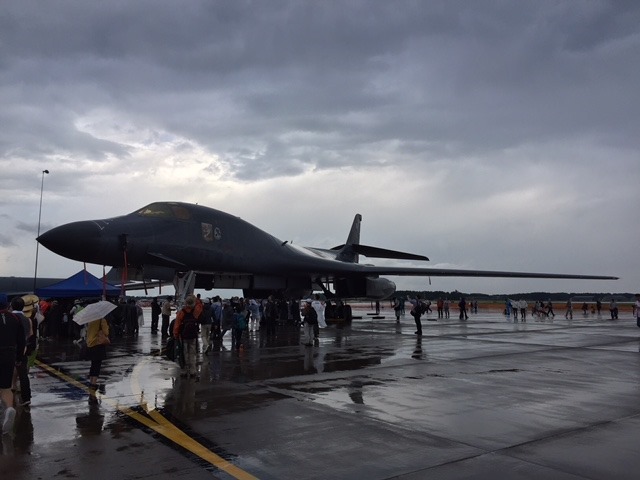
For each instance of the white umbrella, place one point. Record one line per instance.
(93, 311)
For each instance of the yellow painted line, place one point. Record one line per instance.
(159, 424)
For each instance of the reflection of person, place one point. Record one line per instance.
(23, 440)
(310, 321)
(90, 424)
(96, 352)
(417, 352)
(12, 344)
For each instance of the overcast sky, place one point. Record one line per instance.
(483, 134)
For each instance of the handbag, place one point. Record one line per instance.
(102, 338)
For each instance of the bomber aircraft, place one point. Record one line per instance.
(200, 247)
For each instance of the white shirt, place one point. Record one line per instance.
(318, 306)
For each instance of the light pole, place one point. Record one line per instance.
(35, 273)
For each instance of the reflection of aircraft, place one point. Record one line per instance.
(171, 240)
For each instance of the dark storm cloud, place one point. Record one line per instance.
(476, 77)
(492, 112)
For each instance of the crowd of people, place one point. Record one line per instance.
(544, 310)
(199, 326)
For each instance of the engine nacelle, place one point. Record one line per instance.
(374, 288)
(380, 288)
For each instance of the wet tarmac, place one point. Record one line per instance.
(485, 398)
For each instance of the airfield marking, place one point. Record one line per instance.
(158, 423)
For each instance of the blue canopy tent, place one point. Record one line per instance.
(82, 284)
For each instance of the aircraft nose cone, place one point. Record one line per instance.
(73, 240)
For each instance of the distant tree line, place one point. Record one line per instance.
(530, 297)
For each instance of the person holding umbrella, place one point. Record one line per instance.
(97, 338)
(97, 341)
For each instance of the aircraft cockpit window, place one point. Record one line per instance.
(165, 210)
(181, 212)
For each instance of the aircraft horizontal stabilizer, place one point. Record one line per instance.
(376, 252)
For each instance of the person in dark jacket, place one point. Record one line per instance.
(12, 348)
(22, 366)
(156, 310)
(309, 323)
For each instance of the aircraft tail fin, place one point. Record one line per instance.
(347, 252)
(351, 251)
(354, 233)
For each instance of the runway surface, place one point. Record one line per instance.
(486, 398)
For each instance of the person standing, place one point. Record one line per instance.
(440, 307)
(462, 306)
(156, 311)
(216, 317)
(97, 341)
(638, 309)
(319, 307)
(22, 366)
(270, 315)
(186, 330)
(507, 308)
(206, 320)
(550, 309)
(613, 308)
(226, 318)
(12, 344)
(523, 309)
(569, 312)
(240, 323)
(446, 307)
(309, 322)
(416, 312)
(397, 308)
(254, 309)
(166, 314)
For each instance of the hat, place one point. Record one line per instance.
(206, 300)
(30, 302)
(4, 301)
(308, 300)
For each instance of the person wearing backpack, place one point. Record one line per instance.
(186, 329)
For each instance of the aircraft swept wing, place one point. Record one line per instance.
(167, 240)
